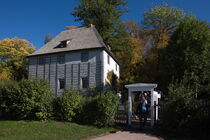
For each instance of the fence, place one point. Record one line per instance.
(121, 118)
(202, 109)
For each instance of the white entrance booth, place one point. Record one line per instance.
(142, 87)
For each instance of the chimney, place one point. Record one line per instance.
(71, 27)
(90, 25)
(109, 47)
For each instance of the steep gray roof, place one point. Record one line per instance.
(80, 38)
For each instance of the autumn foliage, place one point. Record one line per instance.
(13, 60)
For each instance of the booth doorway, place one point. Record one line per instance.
(136, 90)
(138, 118)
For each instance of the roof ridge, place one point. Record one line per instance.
(98, 36)
(74, 29)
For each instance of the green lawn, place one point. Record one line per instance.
(52, 130)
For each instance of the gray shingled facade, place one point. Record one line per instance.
(73, 69)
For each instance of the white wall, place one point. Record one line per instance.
(109, 67)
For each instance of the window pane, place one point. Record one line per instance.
(63, 44)
(41, 60)
(85, 82)
(61, 59)
(108, 59)
(84, 56)
(62, 83)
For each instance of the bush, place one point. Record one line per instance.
(183, 113)
(87, 112)
(100, 110)
(69, 104)
(93, 92)
(29, 99)
(106, 106)
(8, 99)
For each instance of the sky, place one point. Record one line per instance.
(34, 19)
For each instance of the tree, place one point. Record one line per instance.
(12, 58)
(132, 27)
(162, 20)
(186, 67)
(47, 39)
(105, 15)
(129, 71)
(158, 24)
(188, 54)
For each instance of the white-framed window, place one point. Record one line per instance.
(61, 59)
(108, 59)
(84, 56)
(84, 82)
(62, 83)
(41, 60)
(116, 66)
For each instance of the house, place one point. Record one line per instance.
(76, 57)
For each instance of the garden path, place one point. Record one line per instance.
(128, 135)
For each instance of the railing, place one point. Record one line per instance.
(202, 108)
(121, 118)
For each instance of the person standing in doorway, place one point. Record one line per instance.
(143, 110)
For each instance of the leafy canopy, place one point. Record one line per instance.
(104, 14)
(158, 24)
(12, 57)
(162, 20)
(188, 52)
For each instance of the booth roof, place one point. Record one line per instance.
(139, 85)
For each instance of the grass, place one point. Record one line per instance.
(52, 130)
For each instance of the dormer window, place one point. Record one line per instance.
(63, 44)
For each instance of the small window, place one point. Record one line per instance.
(116, 66)
(61, 59)
(63, 44)
(108, 59)
(85, 82)
(61, 83)
(84, 56)
(41, 60)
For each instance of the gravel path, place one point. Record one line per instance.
(127, 135)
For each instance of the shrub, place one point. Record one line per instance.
(106, 106)
(69, 104)
(183, 113)
(87, 112)
(93, 92)
(29, 99)
(114, 82)
(8, 96)
(36, 99)
(100, 110)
